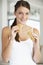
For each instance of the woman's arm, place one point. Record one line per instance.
(6, 45)
(36, 46)
(8, 36)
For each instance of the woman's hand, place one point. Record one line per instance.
(36, 38)
(14, 31)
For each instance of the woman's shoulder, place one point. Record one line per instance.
(6, 30)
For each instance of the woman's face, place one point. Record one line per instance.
(22, 14)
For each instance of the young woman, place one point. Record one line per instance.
(20, 43)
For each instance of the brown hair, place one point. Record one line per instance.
(22, 3)
(17, 5)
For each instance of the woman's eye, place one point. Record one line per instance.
(27, 13)
(20, 12)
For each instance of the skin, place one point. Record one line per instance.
(22, 15)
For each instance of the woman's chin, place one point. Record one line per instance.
(23, 22)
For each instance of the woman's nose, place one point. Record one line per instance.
(24, 16)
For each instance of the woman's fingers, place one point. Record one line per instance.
(36, 38)
(15, 29)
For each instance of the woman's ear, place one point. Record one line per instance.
(14, 13)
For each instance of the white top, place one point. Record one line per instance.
(22, 53)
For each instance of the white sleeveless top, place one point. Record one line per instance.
(22, 53)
